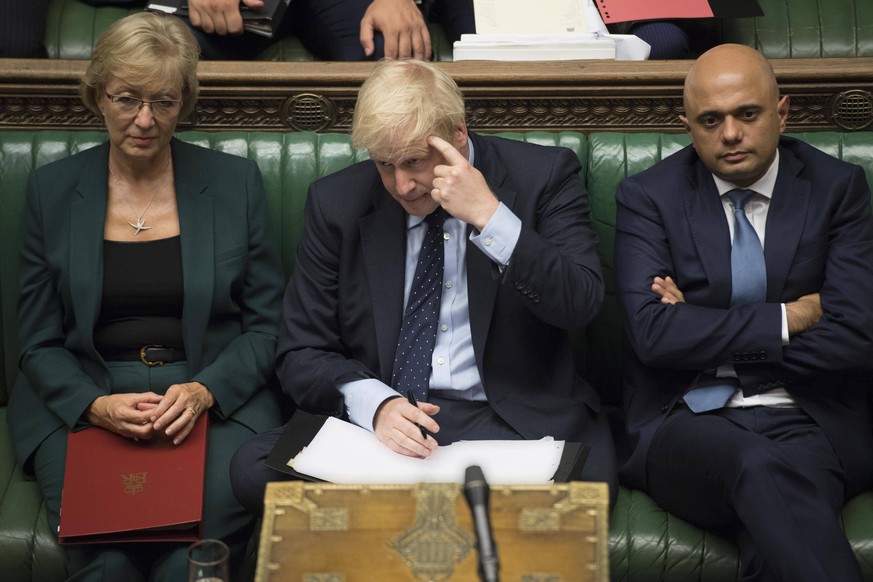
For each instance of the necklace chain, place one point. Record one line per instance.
(140, 217)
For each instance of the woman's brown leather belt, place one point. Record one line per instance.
(151, 355)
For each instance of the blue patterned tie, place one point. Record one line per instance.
(749, 285)
(412, 360)
(748, 272)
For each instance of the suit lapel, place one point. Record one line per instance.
(383, 243)
(196, 224)
(709, 231)
(482, 275)
(785, 218)
(87, 220)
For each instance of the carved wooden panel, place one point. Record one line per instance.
(826, 94)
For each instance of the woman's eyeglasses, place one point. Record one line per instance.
(128, 105)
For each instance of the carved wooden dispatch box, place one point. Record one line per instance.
(318, 532)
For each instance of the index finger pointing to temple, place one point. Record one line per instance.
(449, 152)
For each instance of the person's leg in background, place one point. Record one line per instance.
(667, 39)
(22, 28)
(455, 16)
(330, 29)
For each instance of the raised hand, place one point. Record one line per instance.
(460, 188)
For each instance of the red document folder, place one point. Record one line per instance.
(627, 10)
(120, 490)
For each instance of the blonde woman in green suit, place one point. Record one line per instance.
(140, 242)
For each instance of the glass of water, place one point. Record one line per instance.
(207, 561)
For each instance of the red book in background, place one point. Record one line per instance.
(120, 490)
(626, 10)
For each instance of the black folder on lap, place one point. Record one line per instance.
(303, 427)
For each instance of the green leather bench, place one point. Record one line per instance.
(788, 29)
(646, 543)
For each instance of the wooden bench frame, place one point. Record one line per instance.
(826, 94)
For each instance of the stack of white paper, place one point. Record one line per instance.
(534, 47)
(344, 453)
(545, 30)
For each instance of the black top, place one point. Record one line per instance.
(142, 295)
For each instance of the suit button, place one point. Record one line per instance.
(665, 408)
(762, 355)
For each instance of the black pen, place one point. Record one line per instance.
(411, 398)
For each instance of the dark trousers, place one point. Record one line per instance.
(223, 517)
(458, 420)
(22, 28)
(769, 476)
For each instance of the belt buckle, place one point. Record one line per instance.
(144, 357)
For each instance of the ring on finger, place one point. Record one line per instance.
(192, 411)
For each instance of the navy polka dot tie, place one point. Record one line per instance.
(412, 360)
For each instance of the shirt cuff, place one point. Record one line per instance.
(500, 235)
(784, 325)
(363, 398)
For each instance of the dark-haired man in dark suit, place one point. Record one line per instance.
(744, 271)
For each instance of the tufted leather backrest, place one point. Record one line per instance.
(73, 27)
(612, 157)
(806, 28)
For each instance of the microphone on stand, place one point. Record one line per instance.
(476, 491)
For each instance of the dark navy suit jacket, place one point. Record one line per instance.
(819, 238)
(344, 303)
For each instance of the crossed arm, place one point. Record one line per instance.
(801, 314)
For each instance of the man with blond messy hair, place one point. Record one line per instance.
(519, 271)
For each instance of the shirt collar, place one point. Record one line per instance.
(764, 185)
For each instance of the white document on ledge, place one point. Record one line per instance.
(526, 17)
(345, 453)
